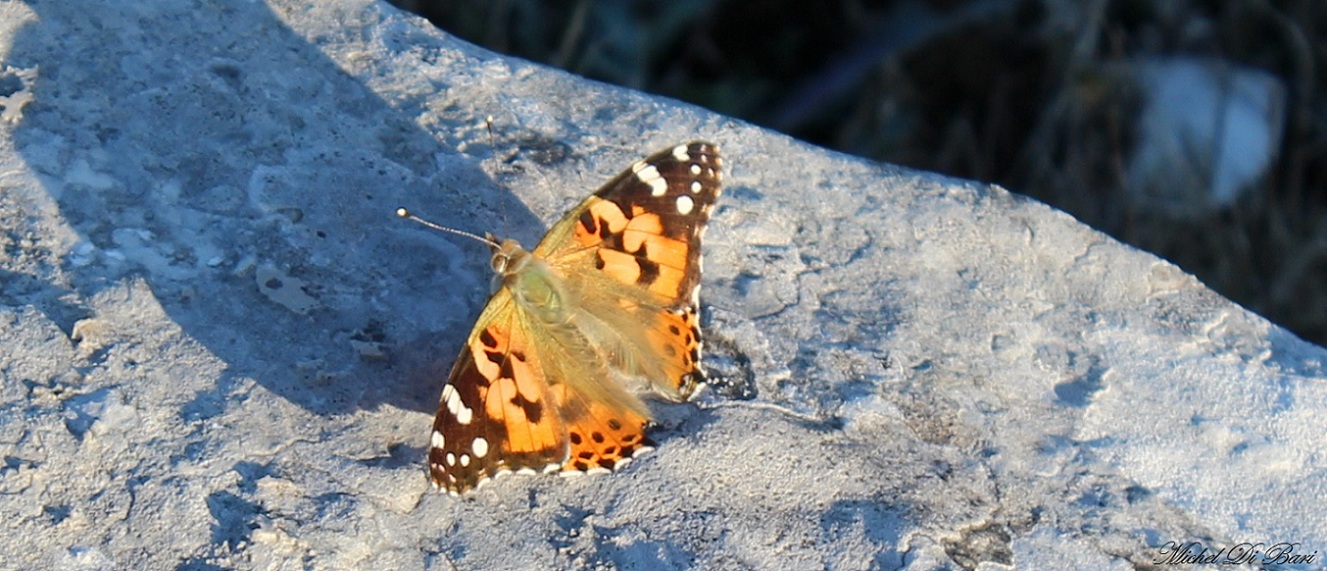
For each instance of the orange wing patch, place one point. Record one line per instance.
(600, 220)
(678, 340)
(601, 438)
(516, 396)
(636, 250)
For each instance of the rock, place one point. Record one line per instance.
(916, 372)
(1203, 120)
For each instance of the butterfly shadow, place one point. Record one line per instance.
(251, 183)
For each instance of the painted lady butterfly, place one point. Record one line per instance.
(607, 297)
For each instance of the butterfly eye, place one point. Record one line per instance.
(499, 262)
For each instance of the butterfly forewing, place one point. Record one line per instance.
(496, 412)
(527, 393)
(644, 227)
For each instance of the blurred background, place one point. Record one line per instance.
(1193, 129)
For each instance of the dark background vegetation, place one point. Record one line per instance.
(1035, 95)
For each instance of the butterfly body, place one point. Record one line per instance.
(607, 299)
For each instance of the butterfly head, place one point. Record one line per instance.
(508, 255)
(532, 283)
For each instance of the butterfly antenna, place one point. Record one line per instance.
(403, 213)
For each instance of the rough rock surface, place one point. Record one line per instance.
(222, 350)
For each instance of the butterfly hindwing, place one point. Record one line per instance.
(609, 293)
(601, 437)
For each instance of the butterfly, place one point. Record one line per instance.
(604, 306)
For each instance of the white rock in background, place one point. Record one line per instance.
(1209, 130)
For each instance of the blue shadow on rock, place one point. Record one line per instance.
(213, 152)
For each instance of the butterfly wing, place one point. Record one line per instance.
(496, 413)
(631, 253)
(506, 406)
(525, 395)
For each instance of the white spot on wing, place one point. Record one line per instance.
(479, 447)
(685, 204)
(695, 169)
(680, 153)
(451, 459)
(695, 186)
(650, 175)
(458, 409)
(465, 460)
(439, 441)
